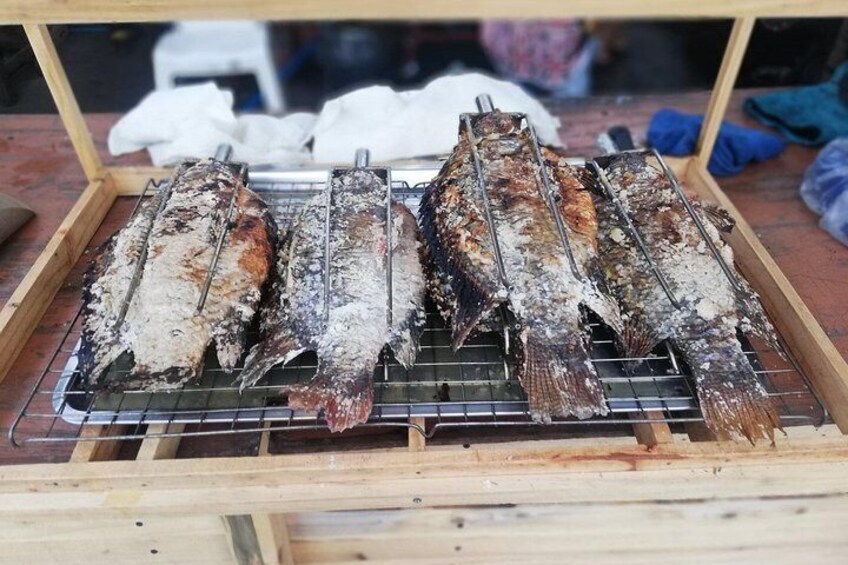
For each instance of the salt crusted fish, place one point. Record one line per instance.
(162, 328)
(703, 330)
(544, 298)
(350, 333)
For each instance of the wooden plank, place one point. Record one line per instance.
(25, 307)
(90, 11)
(729, 70)
(63, 96)
(819, 359)
(130, 181)
(243, 543)
(651, 433)
(645, 532)
(417, 442)
(274, 538)
(153, 448)
(814, 464)
(92, 450)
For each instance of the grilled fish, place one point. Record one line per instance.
(703, 329)
(544, 298)
(162, 328)
(350, 331)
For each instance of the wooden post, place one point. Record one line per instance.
(723, 88)
(93, 450)
(417, 442)
(66, 103)
(154, 448)
(651, 434)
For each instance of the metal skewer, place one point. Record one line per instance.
(675, 184)
(602, 177)
(222, 235)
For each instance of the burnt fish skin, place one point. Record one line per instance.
(703, 330)
(348, 341)
(544, 299)
(162, 328)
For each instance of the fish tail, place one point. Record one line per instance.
(558, 377)
(732, 399)
(265, 355)
(635, 340)
(345, 398)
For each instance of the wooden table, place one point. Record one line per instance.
(38, 166)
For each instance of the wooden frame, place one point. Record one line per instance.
(268, 502)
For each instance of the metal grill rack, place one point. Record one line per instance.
(475, 386)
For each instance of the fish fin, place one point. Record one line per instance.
(590, 181)
(265, 355)
(558, 377)
(405, 338)
(753, 319)
(737, 403)
(717, 216)
(604, 306)
(230, 338)
(636, 339)
(345, 397)
(471, 307)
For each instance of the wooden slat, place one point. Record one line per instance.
(272, 533)
(806, 530)
(651, 433)
(130, 181)
(729, 70)
(66, 103)
(90, 450)
(812, 464)
(153, 448)
(242, 537)
(24, 309)
(819, 359)
(417, 442)
(88, 11)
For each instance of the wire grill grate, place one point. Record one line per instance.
(474, 386)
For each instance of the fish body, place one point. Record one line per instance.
(703, 330)
(162, 328)
(542, 295)
(349, 332)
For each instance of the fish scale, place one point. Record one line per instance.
(545, 297)
(350, 331)
(702, 326)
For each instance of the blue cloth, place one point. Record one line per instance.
(810, 115)
(673, 133)
(825, 188)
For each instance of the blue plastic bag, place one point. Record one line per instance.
(825, 188)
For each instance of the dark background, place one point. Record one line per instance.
(110, 67)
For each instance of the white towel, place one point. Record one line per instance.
(191, 121)
(416, 123)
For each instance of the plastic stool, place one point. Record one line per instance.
(209, 49)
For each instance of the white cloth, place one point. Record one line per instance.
(191, 121)
(416, 123)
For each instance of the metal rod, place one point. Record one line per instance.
(675, 184)
(633, 231)
(224, 152)
(552, 204)
(484, 104)
(147, 185)
(389, 260)
(481, 185)
(327, 206)
(222, 235)
(165, 193)
(362, 158)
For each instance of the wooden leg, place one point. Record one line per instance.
(60, 88)
(417, 442)
(153, 447)
(723, 88)
(651, 433)
(92, 450)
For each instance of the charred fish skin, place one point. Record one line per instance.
(163, 329)
(538, 287)
(349, 342)
(106, 284)
(704, 328)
